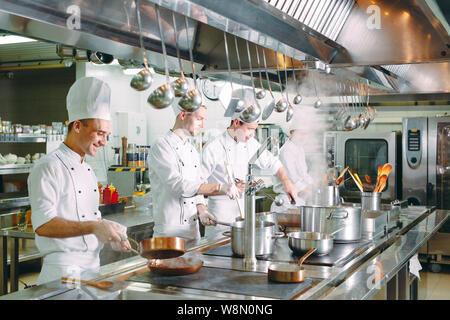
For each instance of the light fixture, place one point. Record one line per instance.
(9, 39)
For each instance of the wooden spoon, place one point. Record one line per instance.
(381, 183)
(359, 180)
(100, 285)
(356, 181)
(386, 169)
(341, 176)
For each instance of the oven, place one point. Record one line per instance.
(426, 161)
(363, 152)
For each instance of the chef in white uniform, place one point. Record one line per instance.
(178, 184)
(292, 156)
(63, 190)
(236, 146)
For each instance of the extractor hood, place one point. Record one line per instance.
(399, 47)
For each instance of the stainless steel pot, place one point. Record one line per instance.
(350, 220)
(320, 218)
(328, 196)
(300, 242)
(264, 234)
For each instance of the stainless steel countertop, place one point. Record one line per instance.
(347, 281)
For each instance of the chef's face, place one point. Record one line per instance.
(194, 122)
(93, 134)
(244, 131)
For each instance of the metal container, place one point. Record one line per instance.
(350, 220)
(328, 196)
(371, 201)
(300, 242)
(263, 238)
(319, 218)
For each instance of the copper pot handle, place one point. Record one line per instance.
(137, 246)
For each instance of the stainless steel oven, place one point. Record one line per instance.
(426, 161)
(363, 152)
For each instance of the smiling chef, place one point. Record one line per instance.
(63, 190)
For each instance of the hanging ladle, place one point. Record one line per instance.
(163, 96)
(239, 108)
(143, 79)
(235, 103)
(269, 108)
(318, 102)
(252, 112)
(282, 104)
(192, 100)
(180, 85)
(298, 98)
(261, 94)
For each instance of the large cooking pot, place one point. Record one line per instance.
(264, 233)
(265, 216)
(350, 220)
(320, 218)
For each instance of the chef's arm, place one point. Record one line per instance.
(62, 228)
(288, 186)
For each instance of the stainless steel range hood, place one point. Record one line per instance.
(408, 52)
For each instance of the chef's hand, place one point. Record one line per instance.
(124, 244)
(291, 191)
(230, 190)
(206, 218)
(240, 185)
(107, 231)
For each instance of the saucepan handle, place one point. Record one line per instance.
(137, 246)
(227, 233)
(278, 234)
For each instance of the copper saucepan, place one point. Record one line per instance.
(175, 266)
(288, 272)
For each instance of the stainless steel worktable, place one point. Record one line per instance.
(389, 254)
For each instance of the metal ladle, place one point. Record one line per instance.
(239, 108)
(143, 79)
(261, 94)
(235, 103)
(269, 108)
(180, 85)
(163, 96)
(318, 102)
(282, 104)
(192, 100)
(252, 113)
(298, 98)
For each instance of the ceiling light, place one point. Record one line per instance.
(8, 39)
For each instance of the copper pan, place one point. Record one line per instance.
(175, 266)
(161, 247)
(288, 272)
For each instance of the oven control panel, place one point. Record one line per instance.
(414, 142)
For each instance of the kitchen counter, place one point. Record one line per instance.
(354, 278)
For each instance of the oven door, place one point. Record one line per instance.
(363, 153)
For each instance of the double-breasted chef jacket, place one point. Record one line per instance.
(175, 176)
(60, 185)
(237, 155)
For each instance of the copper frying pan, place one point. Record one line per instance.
(175, 266)
(161, 247)
(288, 272)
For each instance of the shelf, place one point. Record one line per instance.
(22, 138)
(15, 168)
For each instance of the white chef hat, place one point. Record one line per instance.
(247, 95)
(89, 98)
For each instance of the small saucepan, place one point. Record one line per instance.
(288, 272)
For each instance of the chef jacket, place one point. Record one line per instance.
(60, 185)
(175, 176)
(237, 155)
(293, 159)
